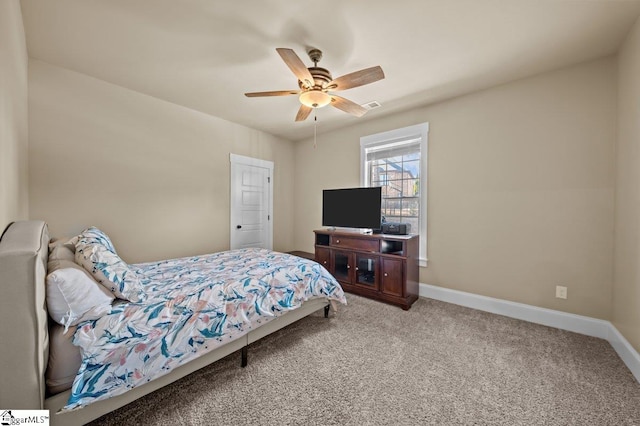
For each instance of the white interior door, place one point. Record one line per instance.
(251, 202)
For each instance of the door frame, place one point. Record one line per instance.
(236, 160)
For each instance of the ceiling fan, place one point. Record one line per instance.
(316, 84)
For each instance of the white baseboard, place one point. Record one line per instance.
(549, 317)
(625, 351)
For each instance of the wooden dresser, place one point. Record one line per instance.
(380, 266)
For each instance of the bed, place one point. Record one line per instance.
(202, 334)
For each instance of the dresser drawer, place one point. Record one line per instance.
(355, 243)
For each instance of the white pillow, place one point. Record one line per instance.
(101, 261)
(73, 296)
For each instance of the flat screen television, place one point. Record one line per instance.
(352, 208)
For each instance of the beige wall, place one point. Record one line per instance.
(13, 115)
(626, 288)
(521, 187)
(153, 175)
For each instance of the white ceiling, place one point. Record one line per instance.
(205, 54)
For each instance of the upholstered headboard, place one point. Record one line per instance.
(24, 336)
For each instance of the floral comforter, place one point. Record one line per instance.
(193, 305)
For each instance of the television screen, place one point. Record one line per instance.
(352, 207)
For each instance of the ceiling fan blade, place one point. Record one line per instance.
(273, 93)
(303, 113)
(358, 78)
(296, 65)
(348, 106)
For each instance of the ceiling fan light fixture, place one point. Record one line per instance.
(315, 98)
(315, 83)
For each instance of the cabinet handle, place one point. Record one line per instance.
(348, 266)
(337, 241)
(386, 275)
(325, 262)
(357, 269)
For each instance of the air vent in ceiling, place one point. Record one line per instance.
(371, 105)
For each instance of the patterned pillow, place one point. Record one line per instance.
(98, 236)
(96, 254)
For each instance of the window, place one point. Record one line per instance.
(397, 162)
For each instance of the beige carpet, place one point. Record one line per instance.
(374, 364)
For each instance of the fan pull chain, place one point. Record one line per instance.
(315, 128)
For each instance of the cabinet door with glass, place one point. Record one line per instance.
(342, 266)
(366, 271)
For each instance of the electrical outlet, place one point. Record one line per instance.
(561, 292)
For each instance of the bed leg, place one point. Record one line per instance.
(243, 362)
(326, 311)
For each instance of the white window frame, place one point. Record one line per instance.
(411, 132)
